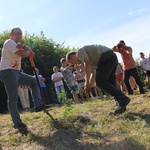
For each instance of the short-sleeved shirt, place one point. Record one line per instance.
(145, 64)
(56, 76)
(42, 84)
(9, 59)
(68, 76)
(94, 53)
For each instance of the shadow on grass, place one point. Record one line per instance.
(72, 137)
(68, 140)
(127, 144)
(132, 116)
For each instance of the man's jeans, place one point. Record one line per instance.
(105, 74)
(133, 72)
(58, 89)
(11, 79)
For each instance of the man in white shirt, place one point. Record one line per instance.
(10, 75)
(145, 66)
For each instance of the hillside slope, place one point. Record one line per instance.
(88, 126)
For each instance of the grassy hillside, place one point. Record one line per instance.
(88, 126)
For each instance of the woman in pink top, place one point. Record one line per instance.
(129, 66)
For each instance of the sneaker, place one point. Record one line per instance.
(121, 107)
(117, 106)
(42, 107)
(125, 102)
(20, 126)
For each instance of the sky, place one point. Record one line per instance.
(82, 22)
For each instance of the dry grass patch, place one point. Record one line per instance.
(84, 127)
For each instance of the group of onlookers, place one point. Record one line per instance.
(74, 78)
(99, 72)
(131, 74)
(127, 78)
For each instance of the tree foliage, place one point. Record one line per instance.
(141, 74)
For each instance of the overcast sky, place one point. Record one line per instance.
(82, 22)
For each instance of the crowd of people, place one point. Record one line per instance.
(92, 70)
(74, 78)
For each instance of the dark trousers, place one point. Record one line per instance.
(132, 72)
(46, 95)
(105, 73)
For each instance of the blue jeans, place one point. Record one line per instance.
(105, 75)
(11, 79)
(58, 89)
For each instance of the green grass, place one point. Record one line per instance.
(88, 126)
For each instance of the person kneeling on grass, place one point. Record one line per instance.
(100, 63)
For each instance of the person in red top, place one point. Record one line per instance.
(129, 66)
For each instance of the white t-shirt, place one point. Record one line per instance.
(9, 59)
(56, 76)
(145, 64)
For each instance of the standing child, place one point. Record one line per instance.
(57, 79)
(70, 79)
(43, 86)
(80, 77)
(120, 77)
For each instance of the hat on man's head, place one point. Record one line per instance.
(15, 30)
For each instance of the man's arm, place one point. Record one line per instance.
(93, 76)
(126, 52)
(89, 71)
(67, 68)
(57, 80)
(115, 49)
(24, 50)
(42, 79)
